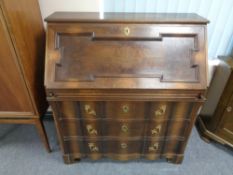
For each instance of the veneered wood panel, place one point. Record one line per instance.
(161, 56)
(26, 30)
(13, 93)
(225, 129)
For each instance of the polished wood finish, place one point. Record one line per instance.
(22, 94)
(155, 18)
(127, 85)
(219, 127)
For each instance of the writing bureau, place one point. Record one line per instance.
(125, 85)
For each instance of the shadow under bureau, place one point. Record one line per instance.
(125, 86)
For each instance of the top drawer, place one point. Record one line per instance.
(119, 110)
(125, 56)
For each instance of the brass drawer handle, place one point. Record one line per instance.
(124, 128)
(156, 130)
(93, 147)
(89, 110)
(126, 31)
(229, 109)
(154, 147)
(124, 145)
(125, 108)
(161, 111)
(91, 130)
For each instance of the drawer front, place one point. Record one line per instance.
(94, 147)
(97, 128)
(76, 127)
(92, 128)
(70, 128)
(177, 128)
(83, 109)
(123, 146)
(121, 110)
(122, 149)
(167, 128)
(182, 110)
(170, 110)
(69, 109)
(124, 128)
(156, 128)
(154, 149)
(74, 146)
(91, 110)
(159, 110)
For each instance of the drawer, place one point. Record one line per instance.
(160, 110)
(74, 146)
(154, 149)
(124, 128)
(91, 110)
(92, 128)
(167, 128)
(171, 110)
(69, 109)
(156, 128)
(70, 127)
(94, 147)
(125, 110)
(77, 127)
(177, 128)
(173, 147)
(182, 110)
(97, 128)
(91, 148)
(123, 146)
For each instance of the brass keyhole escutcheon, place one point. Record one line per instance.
(154, 147)
(88, 110)
(124, 145)
(91, 130)
(127, 31)
(156, 130)
(93, 147)
(124, 128)
(125, 108)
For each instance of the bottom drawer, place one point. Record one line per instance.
(122, 149)
(154, 149)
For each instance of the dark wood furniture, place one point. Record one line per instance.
(126, 85)
(22, 94)
(215, 121)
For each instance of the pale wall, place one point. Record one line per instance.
(49, 6)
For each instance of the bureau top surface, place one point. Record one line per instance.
(110, 17)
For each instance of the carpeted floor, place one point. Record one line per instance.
(21, 153)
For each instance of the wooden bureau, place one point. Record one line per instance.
(125, 85)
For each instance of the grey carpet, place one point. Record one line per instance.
(21, 153)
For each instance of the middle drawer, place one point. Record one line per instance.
(123, 128)
(103, 127)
